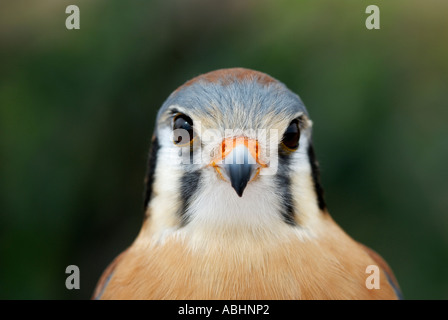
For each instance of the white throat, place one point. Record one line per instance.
(221, 208)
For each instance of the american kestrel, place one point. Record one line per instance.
(234, 208)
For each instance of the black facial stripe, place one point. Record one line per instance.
(316, 178)
(188, 185)
(152, 161)
(283, 183)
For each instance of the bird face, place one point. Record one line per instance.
(232, 151)
(234, 208)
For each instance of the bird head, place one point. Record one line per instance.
(232, 151)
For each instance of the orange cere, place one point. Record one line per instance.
(229, 144)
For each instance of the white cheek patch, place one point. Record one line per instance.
(165, 203)
(302, 185)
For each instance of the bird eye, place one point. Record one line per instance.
(291, 136)
(183, 129)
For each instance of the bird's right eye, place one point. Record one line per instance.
(183, 129)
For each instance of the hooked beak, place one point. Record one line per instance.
(239, 162)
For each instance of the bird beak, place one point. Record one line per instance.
(238, 162)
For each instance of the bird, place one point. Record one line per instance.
(234, 205)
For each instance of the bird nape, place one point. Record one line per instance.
(234, 208)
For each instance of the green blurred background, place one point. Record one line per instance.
(77, 109)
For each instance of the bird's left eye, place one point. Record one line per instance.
(183, 129)
(291, 136)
